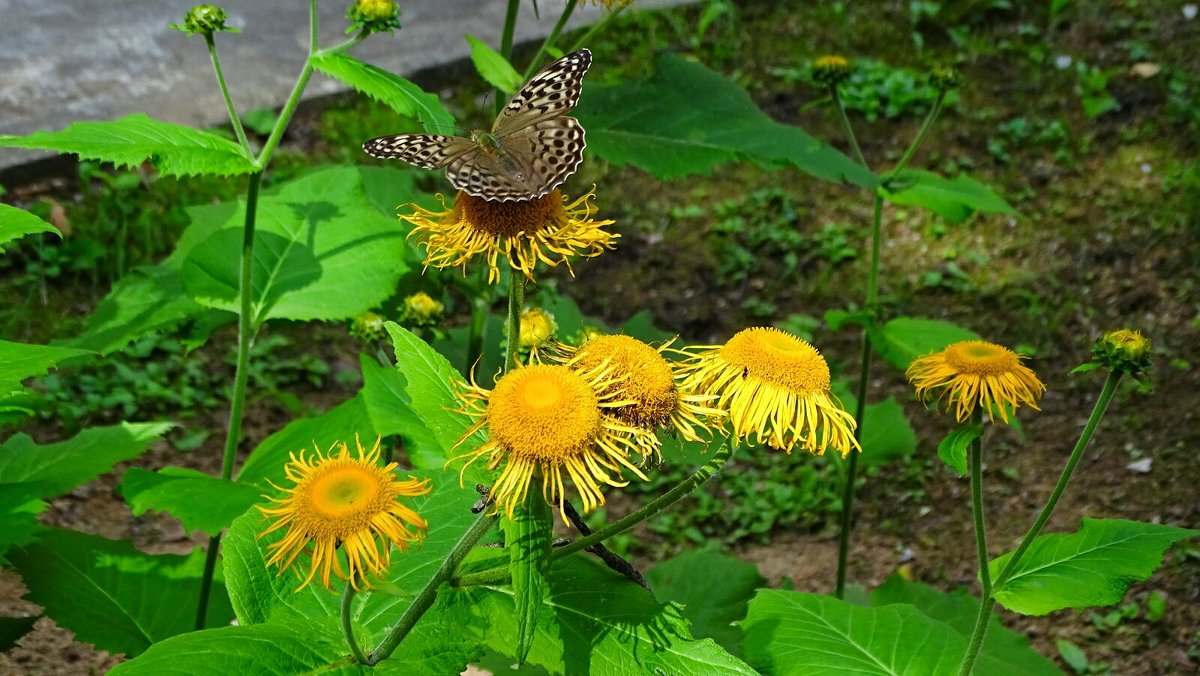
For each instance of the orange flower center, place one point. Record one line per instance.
(979, 358)
(509, 219)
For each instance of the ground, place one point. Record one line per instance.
(1106, 238)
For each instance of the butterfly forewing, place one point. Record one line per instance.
(532, 149)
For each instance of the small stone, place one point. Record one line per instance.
(1063, 61)
(1140, 466)
(1189, 11)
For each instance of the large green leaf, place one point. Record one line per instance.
(15, 223)
(905, 338)
(321, 252)
(59, 467)
(339, 424)
(527, 537)
(260, 594)
(384, 393)
(1091, 567)
(174, 149)
(886, 435)
(1004, 651)
(594, 622)
(112, 595)
(395, 92)
(493, 67)
(19, 361)
(789, 633)
(19, 506)
(953, 199)
(714, 590)
(685, 119)
(200, 501)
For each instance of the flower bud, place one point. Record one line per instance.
(373, 16)
(368, 326)
(945, 78)
(537, 328)
(420, 309)
(830, 70)
(1123, 350)
(204, 20)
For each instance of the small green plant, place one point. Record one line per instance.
(1093, 89)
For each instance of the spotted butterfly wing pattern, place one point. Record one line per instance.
(533, 146)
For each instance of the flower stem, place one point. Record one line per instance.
(516, 299)
(925, 126)
(597, 27)
(348, 625)
(506, 45)
(1106, 394)
(688, 485)
(985, 576)
(568, 9)
(426, 596)
(864, 381)
(837, 103)
(233, 116)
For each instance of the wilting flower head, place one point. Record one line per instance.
(421, 309)
(551, 421)
(537, 328)
(548, 229)
(830, 70)
(976, 374)
(204, 20)
(1124, 351)
(373, 16)
(775, 386)
(645, 379)
(348, 503)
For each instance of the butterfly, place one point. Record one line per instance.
(532, 148)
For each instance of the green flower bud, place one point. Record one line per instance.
(945, 78)
(368, 326)
(204, 20)
(1125, 351)
(373, 16)
(830, 70)
(537, 328)
(420, 309)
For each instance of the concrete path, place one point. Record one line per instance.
(67, 60)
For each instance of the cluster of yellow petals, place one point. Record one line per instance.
(975, 374)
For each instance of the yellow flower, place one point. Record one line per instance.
(1123, 350)
(343, 502)
(421, 309)
(549, 229)
(775, 387)
(537, 328)
(645, 379)
(830, 69)
(549, 420)
(974, 373)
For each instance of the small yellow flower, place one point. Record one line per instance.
(421, 309)
(374, 16)
(775, 387)
(645, 379)
(343, 502)
(831, 69)
(976, 374)
(549, 229)
(551, 421)
(368, 326)
(537, 328)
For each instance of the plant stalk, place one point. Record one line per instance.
(925, 127)
(837, 103)
(568, 9)
(985, 576)
(233, 116)
(599, 26)
(426, 596)
(506, 45)
(516, 299)
(348, 625)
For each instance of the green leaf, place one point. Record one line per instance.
(19, 506)
(198, 500)
(527, 537)
(656, 125)
(1004, 651)
(594, 622)
(174, 149)
(789, 633)
(1091, 567)
(321, 252)
(15, 223)
(393, 91)
(1072, 655)
(428, 385)
(384, 393)
(112, 595)
(905, 338)
(266, 650)
(13, 628)
(19, 361)
(57, 468)
(494, 68)
(836, 319)
(953, 449)
(339, 424)
(710, 608)
(886, 433)
(953, 199)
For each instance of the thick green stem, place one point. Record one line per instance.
(210, 567)
(568, 9)
(985, 576)
(846, 522)
(516, 299)
(348, 624)
(426, 596)
(1106, 394)
(233, 116)
(925, 127)
(704, 473)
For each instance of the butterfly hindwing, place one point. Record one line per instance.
(428, 151)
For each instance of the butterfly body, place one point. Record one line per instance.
(531, 149)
